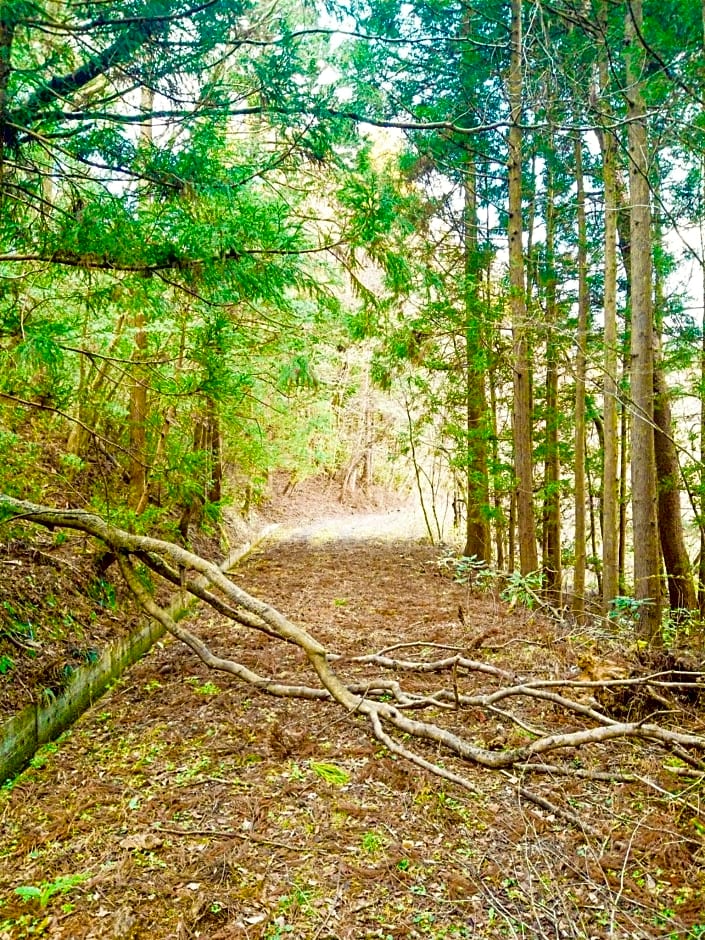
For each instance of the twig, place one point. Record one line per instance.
(435, 769)
(555, 810)
(422, 643)
(234, 834)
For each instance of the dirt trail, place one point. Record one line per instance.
(186, 805)
(396, 525)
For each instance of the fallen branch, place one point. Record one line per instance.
(383, 702)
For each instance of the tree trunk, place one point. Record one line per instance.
(647, 587)
(624, 453)
(681, 590)
(7, 33)
(580, 358)
(138, 391)
(497, 492)
(477, 534)
(528, 556)
(701, 521)
(552, 476)
(610, 387)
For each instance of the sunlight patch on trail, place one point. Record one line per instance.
(392, 526)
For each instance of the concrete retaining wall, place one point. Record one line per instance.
(42, 722)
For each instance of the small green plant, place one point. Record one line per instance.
(696, 932)
(680, 624)
(330, 773)
(295, 772)
(42, 755)
(372, 842)
(204, 688)
(6, 665)
(103, 593)
(298, 899)
(523, 589)
(188, 773)
(625, 611)
(71, 463)
(45, 891)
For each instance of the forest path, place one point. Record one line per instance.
(194, 806)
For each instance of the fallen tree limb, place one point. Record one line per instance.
(387, 720)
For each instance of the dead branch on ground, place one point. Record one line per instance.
(383, 702)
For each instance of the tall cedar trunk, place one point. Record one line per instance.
(528, 556)
(610, 387)
(214, 488)
(138, 391)
(552, 496)
(500, 517)
(477, 536)
(701, 562)
(7, 32)
(681, 590)
(583, 305)
(624, 455)
(701, 521)
(679, 576)
(647, 588)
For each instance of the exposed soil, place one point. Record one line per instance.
(185, 804)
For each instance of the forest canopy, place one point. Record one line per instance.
(229, 230)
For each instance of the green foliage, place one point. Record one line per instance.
(103, 593)
(330, 773)
(625, 611)
(42, 893)
(523, 589)
(183, 261)
(6, 665)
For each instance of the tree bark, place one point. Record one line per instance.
(679, 577)
(552, 476)
(580, 360)
(610, 386)
(138, 390)
(523, 464)
(647, 587)
(477, 534)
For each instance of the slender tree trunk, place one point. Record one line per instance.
(477, 535)
(497, 492)
(214, 489)
(701, 521)
(528, 556)
(624, 461)
(580, 368)
(87, 395)
(552, 474)
(138, 392)
(679, 576)
(647, 587)
(681, 590)
(7, 32)
(610, 388)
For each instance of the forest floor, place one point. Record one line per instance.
(185, 804)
